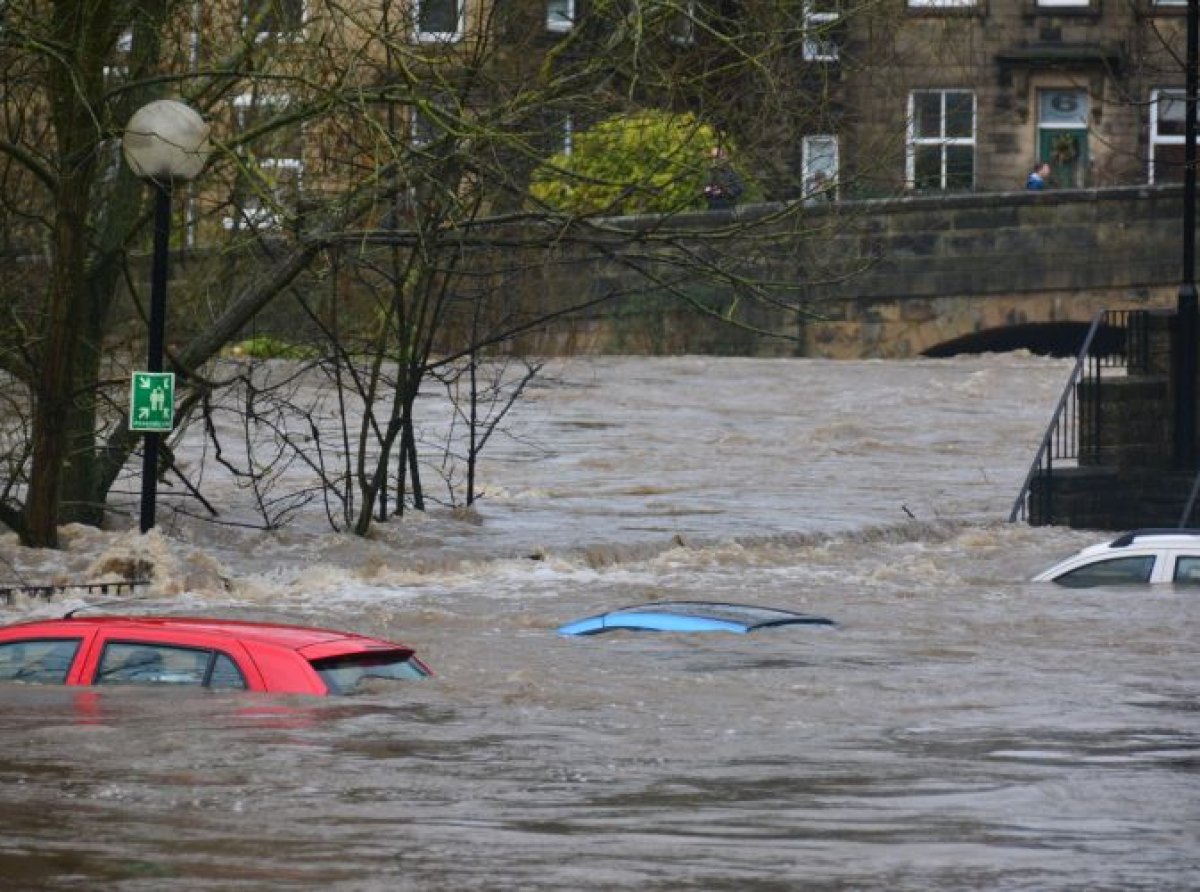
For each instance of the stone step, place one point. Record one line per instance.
(1109, 498)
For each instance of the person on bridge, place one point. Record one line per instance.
(724, 185)
(1038, 176)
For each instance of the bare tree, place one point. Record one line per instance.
(370, 190)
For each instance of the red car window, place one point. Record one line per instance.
(140, 662)
(38, 660)
(343, 674)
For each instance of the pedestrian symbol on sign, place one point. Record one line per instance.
(152, 401)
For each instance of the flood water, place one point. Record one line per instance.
(961, 728)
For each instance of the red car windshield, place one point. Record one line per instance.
(342, 675)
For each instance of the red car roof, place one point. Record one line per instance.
(272, 657)
(291, 637)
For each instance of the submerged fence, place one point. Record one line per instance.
(9, 594)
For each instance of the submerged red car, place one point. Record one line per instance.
(210, 653)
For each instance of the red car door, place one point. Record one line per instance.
(110, 646)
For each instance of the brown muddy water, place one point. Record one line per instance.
(961, 728)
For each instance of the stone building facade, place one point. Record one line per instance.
(969, 95)
(887, 97)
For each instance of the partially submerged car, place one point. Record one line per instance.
(208, 653)
(1139, 556)
(691, 616)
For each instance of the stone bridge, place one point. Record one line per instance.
(994, 272)
(938, 275)
(888, 278)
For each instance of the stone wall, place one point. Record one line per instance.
(955, 266)
(888, 279)
(898, 278)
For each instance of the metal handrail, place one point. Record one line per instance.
(1186, 516)
(1063, 430)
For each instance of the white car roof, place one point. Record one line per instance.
(1134, 542)
(1157, 536)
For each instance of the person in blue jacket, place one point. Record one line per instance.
(1038, 176)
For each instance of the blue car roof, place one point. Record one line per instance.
(691, 616)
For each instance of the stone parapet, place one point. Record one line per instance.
(899, 277)
(879, 279)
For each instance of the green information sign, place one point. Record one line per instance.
(152, 401)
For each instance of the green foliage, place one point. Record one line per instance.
(266, 347)
(648, 162)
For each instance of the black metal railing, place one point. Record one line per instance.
(1186, 517)
(1116, 338)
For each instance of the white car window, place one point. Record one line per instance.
(1187, 569)
(1114, 571)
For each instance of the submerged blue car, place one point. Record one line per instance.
(692, 616)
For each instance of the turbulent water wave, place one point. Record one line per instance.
(961, 728)
(685, 460)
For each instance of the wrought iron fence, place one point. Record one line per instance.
(1115, 339)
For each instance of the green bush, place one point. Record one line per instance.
(648, 162)
(266, 347)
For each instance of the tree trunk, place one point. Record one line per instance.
(55, 385)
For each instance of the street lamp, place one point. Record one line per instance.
(1186, 304)
(165, 142)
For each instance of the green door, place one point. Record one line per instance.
(1067, 152)
(1063, 136)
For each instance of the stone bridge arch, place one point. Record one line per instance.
(1041, 338)
(1009, 270)
(1048, 323)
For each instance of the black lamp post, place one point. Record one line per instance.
(165, 142)
(1186, 311)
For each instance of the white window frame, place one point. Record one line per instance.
(942, 141)
(460, 9)
(264, 36)
(1070, 3)
(568, 135)
(1155, 139)
(122, 48)
(942, 4)
(809, 154)
(421, 130)
(258, 215)
(683, 25)
(819, 47)
(1056, 121)
(560, 15)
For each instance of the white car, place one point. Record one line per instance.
(1140, 556)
